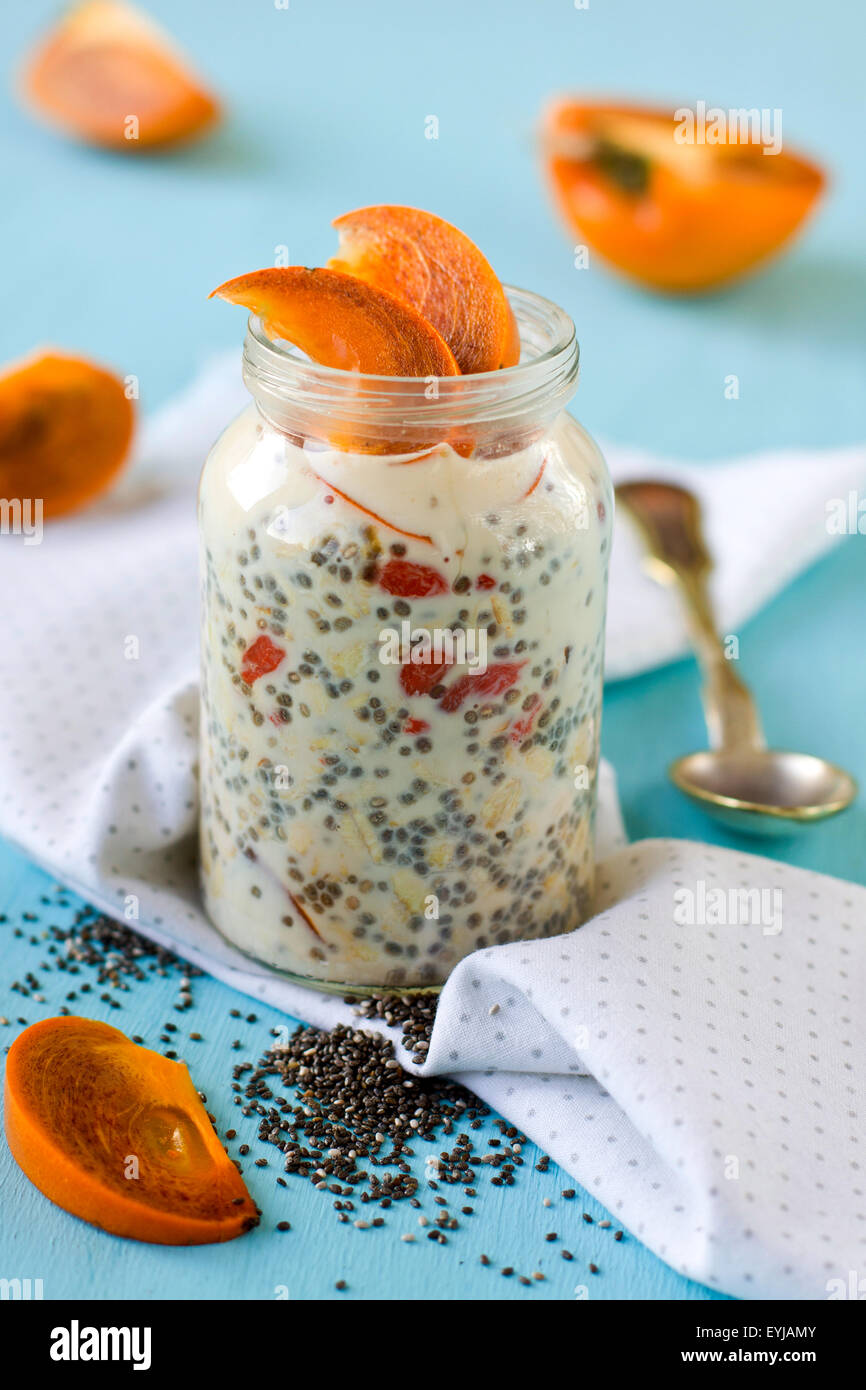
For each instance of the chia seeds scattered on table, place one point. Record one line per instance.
(93, 941)
(357, 1110)
(339, 1106)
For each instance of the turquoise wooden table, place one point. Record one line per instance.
(328, 106)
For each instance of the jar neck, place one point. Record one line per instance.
(484, 412)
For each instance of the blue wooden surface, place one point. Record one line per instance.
(114, 257)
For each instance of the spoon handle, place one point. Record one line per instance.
(669, 520)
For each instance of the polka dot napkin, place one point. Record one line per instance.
(689, 1054)
(694, 1055)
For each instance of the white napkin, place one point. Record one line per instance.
(98, 714)
(701, 1079)
(767, 517)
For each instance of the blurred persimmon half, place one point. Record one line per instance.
(110, 76)
(666, 203)
(66, 426)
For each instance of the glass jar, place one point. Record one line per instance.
(404, 587)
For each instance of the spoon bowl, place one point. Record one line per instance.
(762, 791)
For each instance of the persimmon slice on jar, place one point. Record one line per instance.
(65, 430)
(672, 213)
(339, 321)
(433, 266)
(117, 1135)
(109, 75)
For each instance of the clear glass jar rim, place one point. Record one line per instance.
(280, 378)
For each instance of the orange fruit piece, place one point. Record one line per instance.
(107, 74)
(116, 1134)
(431, 265)
(65, 429)
(673, 215)
(339, 321)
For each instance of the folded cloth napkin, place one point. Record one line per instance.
(694, 1054)
(697, 1077)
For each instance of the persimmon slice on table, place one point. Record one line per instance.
(433, 266)
(65, 429)
(110, 76)
(117, 1135)
(674, 215)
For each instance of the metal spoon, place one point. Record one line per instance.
(741, 782)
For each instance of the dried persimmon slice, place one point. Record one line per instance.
(339, 321)
(109, 75)
(433, 266)
(117, 1135)
(65, 429)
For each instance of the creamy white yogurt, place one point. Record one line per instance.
(366, 824)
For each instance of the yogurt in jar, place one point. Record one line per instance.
(402, 652)
(401, 694)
